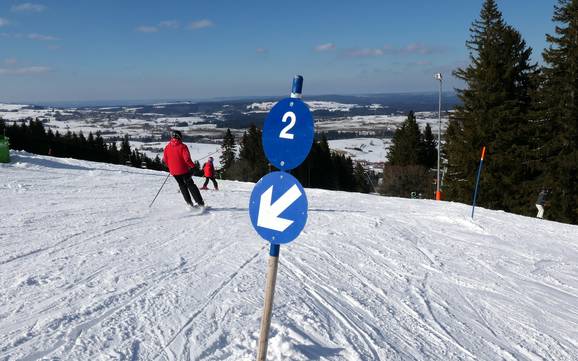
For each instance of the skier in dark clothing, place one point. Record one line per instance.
(209, 172)
(177, 157)
(540, 202)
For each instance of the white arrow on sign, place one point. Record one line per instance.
(269, 212)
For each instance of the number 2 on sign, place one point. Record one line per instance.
(285, 132)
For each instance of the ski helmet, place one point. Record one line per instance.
(210, 159)
(177, 134)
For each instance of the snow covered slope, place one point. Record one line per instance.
(89, 272)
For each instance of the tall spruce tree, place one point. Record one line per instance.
(228, 151)
(252, 163)
(362, 179)
(406, 147)
(559, 128)
(429, 154)
(409, 161)
(496, 103)
(125, 151)
(328, 177)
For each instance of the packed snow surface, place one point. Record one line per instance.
(89, 272)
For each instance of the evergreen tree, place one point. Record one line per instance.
(228, 151)
(32, 137)
(100, 148)
(317, 169)
(252, 163)
(411, 156)
(495, 111)
(135, 158)
(559, 128)
(344, 170)
(125, 152)
(429, 156)
(197, 170)
(361, 179)
(114, 154)
(406, 146)
(327, 173)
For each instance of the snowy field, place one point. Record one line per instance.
(370, 123)
(372, 150)
(143, 127)
(89, 272)
(265, 107)
(198, 151)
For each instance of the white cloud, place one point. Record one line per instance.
(418, 48)
(10, 61)
(147, 29)
(30, 36)
(365, 52)
(410, 49)
(201, 24)
(4, 22)
(261, 51)
(325, 47)
(29, 7)
(40, 37)
(30, 70)
(172, 24)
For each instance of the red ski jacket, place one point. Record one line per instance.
(177, 157)
(209, 170)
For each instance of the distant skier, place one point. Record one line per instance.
(209, 172)
(540, 202)
(177, 157)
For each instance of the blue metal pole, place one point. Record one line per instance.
(274, 250)
(478, 181)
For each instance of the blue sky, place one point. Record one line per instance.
(65, 50)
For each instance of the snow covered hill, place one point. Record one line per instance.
(89, 272)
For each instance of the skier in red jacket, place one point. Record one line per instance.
(177, 157)
(209, 171)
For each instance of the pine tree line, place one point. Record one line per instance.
(33, 137)
(411, 157)
(526, 116)
(321, 169)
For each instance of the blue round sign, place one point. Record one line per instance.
(278, 207)
(288, 133)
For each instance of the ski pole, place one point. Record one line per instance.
(160, 190)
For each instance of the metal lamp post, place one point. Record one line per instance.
(438, 76)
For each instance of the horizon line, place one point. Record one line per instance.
(134, 102)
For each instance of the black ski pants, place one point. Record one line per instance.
(187, 185)
(213, 180)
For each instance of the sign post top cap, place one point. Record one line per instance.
(297, 88)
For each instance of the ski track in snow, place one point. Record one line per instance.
(89, 272)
